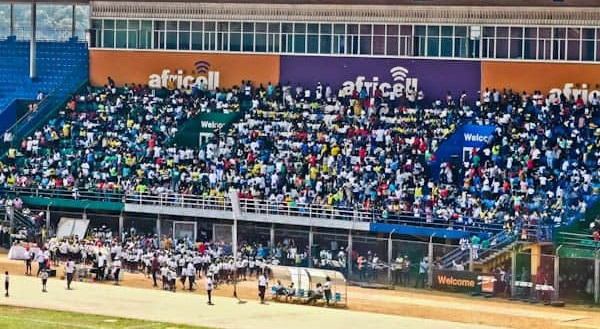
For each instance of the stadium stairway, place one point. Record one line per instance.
(61, 66)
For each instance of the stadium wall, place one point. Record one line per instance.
(434, 76)
(157, 68)
(567, 78)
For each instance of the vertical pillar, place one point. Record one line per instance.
(430, 258)
(158, 232)
(349, 254)
(32, 50)
(390, 255)
(12, 20)
(535, 263)
(310, 247)
(513, 273)
(597, 280)
(471, 260)
(556, 293)
(121, 227)
(11, 229)
(73, 22)
(272, 236)
(48, 217)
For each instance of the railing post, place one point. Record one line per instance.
(513, 274)
(121, 227)
(158, 232)
(349, 254)
(430, 257)
(471, 265)
(310, 245)
(390, 256)
(272, 236)
(556, 293)
(596, 278)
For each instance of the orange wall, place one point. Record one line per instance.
(539, 76)
(137, 66)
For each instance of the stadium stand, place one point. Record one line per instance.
(61, 67)
(317, 152)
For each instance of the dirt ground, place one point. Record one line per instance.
(406, 306)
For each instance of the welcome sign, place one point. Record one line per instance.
(464, 139)
(456, 281)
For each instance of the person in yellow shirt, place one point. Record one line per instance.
(66, 130)
(335, 150)
(418, 192)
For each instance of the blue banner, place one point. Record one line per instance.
(464, 139)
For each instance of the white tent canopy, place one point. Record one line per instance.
(307, 278)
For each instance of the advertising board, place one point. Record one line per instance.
(180, 69)
(457, 281)
(570, 79)
(390, 75)
(463, 140)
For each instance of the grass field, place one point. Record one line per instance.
(19, 318)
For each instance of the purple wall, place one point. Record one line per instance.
(434, 77)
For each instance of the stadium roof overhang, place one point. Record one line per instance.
(410, 14)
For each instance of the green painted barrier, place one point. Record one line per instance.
(72, 204)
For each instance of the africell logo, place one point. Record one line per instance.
(202, 76)
(569, 91)
(400, 83)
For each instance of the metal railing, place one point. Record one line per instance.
(252, 206)
(577, 240)
(312, 211)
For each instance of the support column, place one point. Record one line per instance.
(513, 273)
(158, 232)
(471, 260)
(430, 258)
(73, 21)
(349, 255)
(11, 216)
(390, 255)
(310, 246)
(32, 49)
(272, 236)
(536, 254)
(556, 293)
(596, 280)
(12, 20)
(121, 227)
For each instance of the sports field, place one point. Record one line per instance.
(18, 317)
(406, 308)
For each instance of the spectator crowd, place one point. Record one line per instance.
(310, 146)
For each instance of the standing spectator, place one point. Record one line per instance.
(262, 287)
(191, 272)
(44, 280)
(39, 257)
(30, 255)
(101, 267)
(423, 268)
(327, 290)
(155, 269)
(116, 270)
(6, 283)
(69, 270)
(209, 288)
